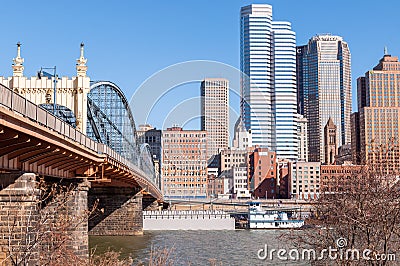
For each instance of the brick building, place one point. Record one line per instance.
(339, 178)
(215, 186)
(306, 180)
(184, 168)
(261, 167)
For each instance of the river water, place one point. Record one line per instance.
(239, 247)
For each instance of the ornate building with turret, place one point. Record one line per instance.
(40, 89)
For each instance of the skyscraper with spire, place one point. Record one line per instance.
(241, 137)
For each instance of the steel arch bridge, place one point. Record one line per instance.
(110, 121)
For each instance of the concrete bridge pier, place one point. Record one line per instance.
(119, 211)
(151, 204)
(19, 215)
(42, 222)
(76, 215)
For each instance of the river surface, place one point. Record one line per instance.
(239, 247)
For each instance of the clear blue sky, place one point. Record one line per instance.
(128, 41)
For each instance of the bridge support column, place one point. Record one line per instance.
(19, 216)
(41, 223)
(150, 204)
(121, 211)
(77, 209)
(64, 215)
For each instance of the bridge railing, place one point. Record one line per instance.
(26, 108)
(104, 149)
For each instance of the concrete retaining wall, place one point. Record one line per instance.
(187, 220)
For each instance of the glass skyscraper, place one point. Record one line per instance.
(285, 92)
(268, 82)
(325, 76)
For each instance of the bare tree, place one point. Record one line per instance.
(359, 220)
(39, 224)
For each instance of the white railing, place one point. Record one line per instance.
(26, 108)
(195, 214)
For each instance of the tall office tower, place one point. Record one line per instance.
(184, 168)
(355, 138)
(380, 116)
(257, 73)
(301, 93)
(355, 121)
(215, 114)
(326, 85)
(361, 93)
(285, 91)
(268, 89)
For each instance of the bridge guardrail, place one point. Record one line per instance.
(26, 108)
(104, 149)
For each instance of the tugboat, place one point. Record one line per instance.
(272, 218)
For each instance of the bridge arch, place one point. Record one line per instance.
(146, 160)
(110, 119)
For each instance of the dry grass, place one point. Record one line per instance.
(110, 257)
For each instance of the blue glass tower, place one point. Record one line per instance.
(268, 82)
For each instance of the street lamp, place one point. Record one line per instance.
(42, 73)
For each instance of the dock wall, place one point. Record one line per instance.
(187, 220)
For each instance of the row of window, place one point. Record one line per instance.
(180, 140)
(183, 135)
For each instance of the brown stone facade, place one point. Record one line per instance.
(215, 186)
(285, 173)
(330, 143)
(339, 178)
(119, 211)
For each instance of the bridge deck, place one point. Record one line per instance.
(33, 140)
